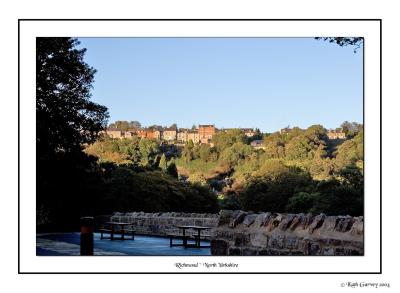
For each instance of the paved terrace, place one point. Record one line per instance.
(67, 244)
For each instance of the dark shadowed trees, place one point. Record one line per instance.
(356, 42)
(66, 120)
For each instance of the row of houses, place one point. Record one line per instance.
(202, 134)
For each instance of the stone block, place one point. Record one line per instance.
(268, 251)
(328, 251)
(313, 248)
(235, 251)
(241, 239)
(219, 247)
(286, 222)
(224, 217)
(291, 242)
(262, 219)
(247, 251)
(274, 222)
(344, 224)
(347, 251)
(249, 219)
(285, 252)
(258, 239)
(277, 241)
(317, 222)
(237, 218)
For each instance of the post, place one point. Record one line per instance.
(87, 235)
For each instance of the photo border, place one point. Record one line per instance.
(251, 20)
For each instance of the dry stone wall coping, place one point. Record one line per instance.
(243, 233)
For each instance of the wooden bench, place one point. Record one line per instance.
(130, 231)
(112, 232)
(104, 230)
(183, 238)
(198, 239)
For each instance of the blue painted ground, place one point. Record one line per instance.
(57, 244)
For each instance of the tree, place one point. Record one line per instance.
(302, 202)
(350, 152)
(235, 153)
(307, 144)
(223, 140)
(187, 151)
(66, 118)
(351, 129)
(344, 41)
(204, 152)
(149, 150)
(271, 187)
(135, 125)
(274, 146)
(171, 169)
(163, 163)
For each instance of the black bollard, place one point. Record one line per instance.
(87, 235)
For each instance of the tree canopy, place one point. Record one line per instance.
(66, 118)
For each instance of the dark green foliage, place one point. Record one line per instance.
(224, 140)
(128, 190)
(66, 118)
(307, 144)
(235, 153)
(272, 190)
(302, 202)
(351, 129)
(230, 202)
(274, 146)
(171, 170)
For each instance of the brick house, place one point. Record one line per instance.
(206, 133)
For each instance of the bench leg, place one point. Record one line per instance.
(170, 241)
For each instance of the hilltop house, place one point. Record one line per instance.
(336, 134)
(169, 134)
(258, 144)
(206, 133)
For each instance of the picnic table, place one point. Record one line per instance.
(117, 228)
(185, 237)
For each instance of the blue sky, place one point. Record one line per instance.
(267, 83)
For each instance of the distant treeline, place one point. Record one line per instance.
(300, 170)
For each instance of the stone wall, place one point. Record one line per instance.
(162, 224)
(241, 233)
